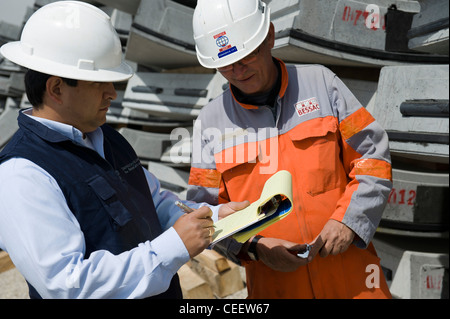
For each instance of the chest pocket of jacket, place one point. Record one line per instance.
(316, 157)
(108, 196)
(238, 177)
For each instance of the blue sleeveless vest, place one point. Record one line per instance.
(110, 198)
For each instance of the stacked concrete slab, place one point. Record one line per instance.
(12, 84)
(353, 33)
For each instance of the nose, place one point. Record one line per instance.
(239, 68)
(110, 91)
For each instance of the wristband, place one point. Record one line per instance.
(252, 248)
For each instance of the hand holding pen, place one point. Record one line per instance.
(195, 228)
(188, 210)
(202, 219)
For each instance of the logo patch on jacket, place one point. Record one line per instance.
(307, 106)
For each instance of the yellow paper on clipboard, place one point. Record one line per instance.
(274, 204)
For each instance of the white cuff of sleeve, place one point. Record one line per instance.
(170, 249)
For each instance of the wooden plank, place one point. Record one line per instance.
(224, 283)
(213, 260)
(5, 262)
(192, 285)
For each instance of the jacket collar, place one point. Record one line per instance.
(284, 84)
(55, 132)
(41, 130)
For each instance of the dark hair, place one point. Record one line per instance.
(35, 85)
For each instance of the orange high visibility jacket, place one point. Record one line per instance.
(339, 159)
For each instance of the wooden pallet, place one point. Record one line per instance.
(5, 262)
(210, 275)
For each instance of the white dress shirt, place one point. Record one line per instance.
(46, 244)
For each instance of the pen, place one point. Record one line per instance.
(184, 207)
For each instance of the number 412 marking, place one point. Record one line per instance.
(401, 196)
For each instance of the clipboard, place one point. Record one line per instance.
(274, 204)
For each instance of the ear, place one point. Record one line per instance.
(54, 89)
(271, 36)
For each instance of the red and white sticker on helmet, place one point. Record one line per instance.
(221, 34)
(223, 42)
(307, 106)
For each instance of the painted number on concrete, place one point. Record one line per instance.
(402, 196)
(434, 278)
(370, 17)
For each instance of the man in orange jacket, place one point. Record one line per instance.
(298, 118)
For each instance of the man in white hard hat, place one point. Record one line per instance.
(303, 119)
(79, 216)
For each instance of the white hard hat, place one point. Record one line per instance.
(225, 31)
(70, 39)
